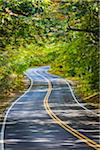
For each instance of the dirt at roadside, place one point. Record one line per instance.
(92, 100)
(5, 101)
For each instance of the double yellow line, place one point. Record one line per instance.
(77, 134)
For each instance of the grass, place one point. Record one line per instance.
(93, 100)
(81, 89)
(6, 100)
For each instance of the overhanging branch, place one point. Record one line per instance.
(81, 30)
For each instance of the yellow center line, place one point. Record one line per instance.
(65, 126)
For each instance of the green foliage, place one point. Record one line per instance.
(63, 34)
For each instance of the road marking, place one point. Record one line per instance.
(51, 114)
(77, 134)
(6, 115)
(74, 97)
(45, 90)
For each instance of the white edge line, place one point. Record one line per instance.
(73, 95)
(6, 115)
(5, 118)
(49, 92)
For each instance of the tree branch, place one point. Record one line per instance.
(80, 30)
(10, 12)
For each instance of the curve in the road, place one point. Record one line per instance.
(73, 95)
(77, 134)
(51, 114)
(5, 118)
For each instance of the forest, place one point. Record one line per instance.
(61, 33)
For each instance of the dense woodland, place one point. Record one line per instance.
(61, 33)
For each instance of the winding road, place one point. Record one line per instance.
(48, 116)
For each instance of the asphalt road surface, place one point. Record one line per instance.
(48, 117)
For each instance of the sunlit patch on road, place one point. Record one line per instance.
(29, 126)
